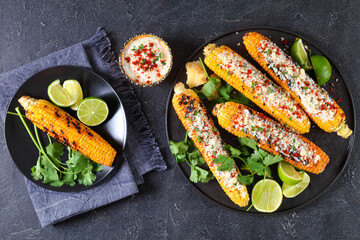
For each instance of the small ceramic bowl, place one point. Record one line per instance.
(146, 60)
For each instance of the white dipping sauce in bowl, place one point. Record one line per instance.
(146, 60)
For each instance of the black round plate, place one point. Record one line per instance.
(113, 130)
(337, 148)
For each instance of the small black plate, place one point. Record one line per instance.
(337, 148)
(113, 130)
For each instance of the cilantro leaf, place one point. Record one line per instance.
(210, 86)
(179, 150)
(226, 163)
(246, 180)
(194, 174)
(49, 172)
(96, 166)
(224, 91)
(233, 151)
(187, 152)
(256, 166)
(79, 162)
(249, 142)
(69, 178)
(200, 175)
(37, 171)
(245, 151)
(55, 150)
(271, 159)
(256, 156)
(86, 177)
(57, 183)
(205, 175)
(195, 157)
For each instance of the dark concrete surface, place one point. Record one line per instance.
(168, 207)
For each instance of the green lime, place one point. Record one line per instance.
(322, 68)
(92, 111)
(288, 174)
(298, 53)
(58, 95)
(266, 196)
(73, 88)
(291, 191)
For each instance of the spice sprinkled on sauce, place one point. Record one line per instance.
(146, 59)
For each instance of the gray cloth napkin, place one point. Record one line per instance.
(141, 153)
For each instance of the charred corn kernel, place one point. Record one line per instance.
(271, 136)
(60, 125)
(206, 137)
(244, 77)
(315, 101)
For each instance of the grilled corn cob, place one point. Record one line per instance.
(200, 126)
(315, 101)
(60, 125)
(271, 136)
(240, 74)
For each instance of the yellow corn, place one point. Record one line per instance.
(271, 136)
(200, 126)
(315, 101)
(60, 125)
(244, 77)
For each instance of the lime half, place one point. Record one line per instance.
(73, 88)
(288, 174)
(266, 196)
(298, 53)
(322, 68)
(58, 95)
(92, 111)
(291, 191)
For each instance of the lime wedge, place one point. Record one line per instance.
(73, 88)
(298, 53)
(288, 174)
(92, 111)
(266, 196)
(322, 68)
(291, 191)
(58, 95)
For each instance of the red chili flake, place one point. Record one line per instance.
(332, 89)
(127, 59)
(332, 76)
(339, 100)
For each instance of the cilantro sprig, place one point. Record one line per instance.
(220, 94)
(51, 170)
(251, 159)
(186, 151)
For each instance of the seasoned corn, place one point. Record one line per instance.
(200, 126)
(315, 101)
(271, 136)
(60, 125)
(244, 77)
